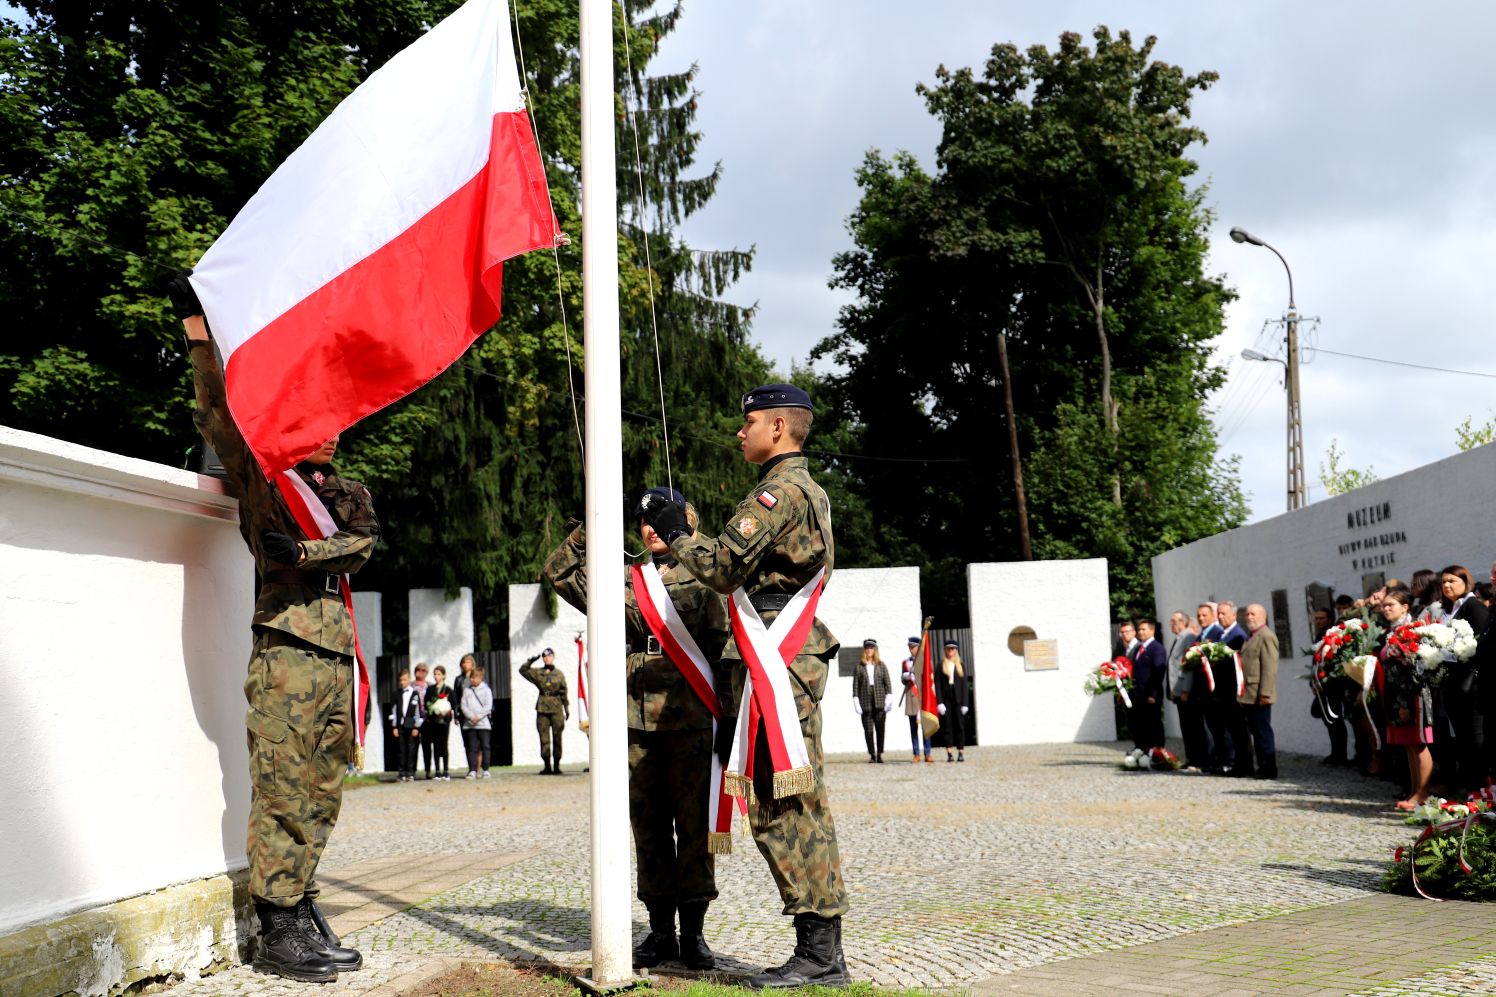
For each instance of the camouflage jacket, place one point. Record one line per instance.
(303, 610)
(659, 697)
(776, 540)
(552, 685)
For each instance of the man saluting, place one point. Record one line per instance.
(773, 557)
(299, 686)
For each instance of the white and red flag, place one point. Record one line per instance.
(584, 716)
(372, 258)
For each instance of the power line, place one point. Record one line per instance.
(1404, 363)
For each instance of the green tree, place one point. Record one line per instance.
(1060, 213)
(144, 126)
(1339, 480)
(1468, 436)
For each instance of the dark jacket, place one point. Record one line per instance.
(433, 693)
(1235, 636)
(1150, 667)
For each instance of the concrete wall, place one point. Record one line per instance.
(368, 616)
(1428, 518)
(881, 603)
(530, 629)
(1064, 601)
(441, 632)
(125, 598)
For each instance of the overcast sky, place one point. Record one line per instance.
(1358, 138)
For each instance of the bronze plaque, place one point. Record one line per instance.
(1018, 636)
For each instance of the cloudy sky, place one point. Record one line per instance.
(1358, 138)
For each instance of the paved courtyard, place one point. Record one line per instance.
(1026, 870)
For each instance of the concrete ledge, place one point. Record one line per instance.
(181, 931)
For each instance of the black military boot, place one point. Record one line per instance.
(660, 943)
(285, 950)
(323, 940)
(547, 769)
(841, 960)
(693, 948)
(814, 962)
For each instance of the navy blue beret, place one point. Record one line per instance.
(547, 653)
(658, 494)
(776, 396)
(914, 640)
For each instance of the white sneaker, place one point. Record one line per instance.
(472, 775)
(485, 773)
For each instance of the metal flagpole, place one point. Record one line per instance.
(611, 905)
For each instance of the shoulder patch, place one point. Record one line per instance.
(767, 499)
(747, 526)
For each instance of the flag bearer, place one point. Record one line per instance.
(299, 686)
(772, 556)
(669, 733)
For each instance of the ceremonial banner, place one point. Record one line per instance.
(317, 523)
(584, 718)
(929, 706)
(372, 258)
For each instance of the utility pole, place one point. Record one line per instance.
(1023, 523)
(1297, 489)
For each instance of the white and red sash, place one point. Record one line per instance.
(317, 523)
(665, 622)
(1208, 667)
(767, 652)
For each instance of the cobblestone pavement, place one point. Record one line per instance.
(1017, 858)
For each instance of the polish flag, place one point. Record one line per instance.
(372, 258)
(929, 706)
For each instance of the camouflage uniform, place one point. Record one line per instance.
(670, 731)
(768, 547)
(300, 677)
(551, 709)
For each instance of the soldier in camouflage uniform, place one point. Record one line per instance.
(552, 709)
(300, 723)
(774, 543)
(670, 747)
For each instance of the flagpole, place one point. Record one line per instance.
(611, 906)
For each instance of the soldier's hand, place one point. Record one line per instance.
(722, 744)
(666, 518)
(280, 548)
(184, 302)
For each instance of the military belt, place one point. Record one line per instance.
(323, 581)
(770, 602)
(649, 645)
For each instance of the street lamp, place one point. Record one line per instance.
(1296, 485)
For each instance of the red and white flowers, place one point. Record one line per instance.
(1110, 677)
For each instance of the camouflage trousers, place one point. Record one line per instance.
(300, 739)
(670, 775)
(796, 833)
(550, 726)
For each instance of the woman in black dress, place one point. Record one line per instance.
(951, 691)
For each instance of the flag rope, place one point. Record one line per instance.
(654, 326)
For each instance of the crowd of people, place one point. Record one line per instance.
(423, 712)
(1225, 716)
(1427, 730)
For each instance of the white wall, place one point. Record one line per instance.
(368, 616)
(858, 603)
(1435, 516)
(531, 629)
(125, 599)
(882, 603)
(441, 632)
(1065, 601)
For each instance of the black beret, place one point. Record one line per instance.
(951, 643)
(914, 640)
(870, 643)
(547, 653)
(666, 494)
(776, 396)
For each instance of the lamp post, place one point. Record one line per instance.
(1296, 484)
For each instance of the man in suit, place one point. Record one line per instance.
(1181, 692)
(1149, 670)
(1259, 665)
(1126, 642)
(1232, 634)
(1205, 616)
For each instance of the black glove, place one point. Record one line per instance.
(183, 298)
(279, 547)
(531, 660)
(666, 518)
(722, 744)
